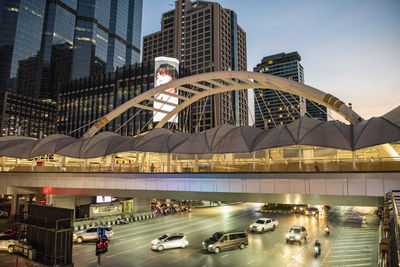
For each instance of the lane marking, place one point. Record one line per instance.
(358, 264)
(353, 250)
(347, 255)
(265, 252)
(226, 255)
(250, 262)
(344, 260)
(368, 246)
(118, 254)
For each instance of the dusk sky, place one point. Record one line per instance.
(349, 48)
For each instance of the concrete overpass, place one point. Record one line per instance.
(330, 188)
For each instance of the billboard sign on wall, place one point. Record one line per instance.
(166, 70)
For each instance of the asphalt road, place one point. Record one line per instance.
(353, 240)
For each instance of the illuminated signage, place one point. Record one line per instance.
(166, 70)
(103, 199)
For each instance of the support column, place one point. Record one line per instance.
(112, 162)
(212, 162)
(143, 161)
(141, 204)
(254, 161)
(196, 160)
(300, 167)
(168, 162)
(61, 201)
(353, 156)
(14, 208)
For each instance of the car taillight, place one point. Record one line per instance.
(110, 232)
(186, 238)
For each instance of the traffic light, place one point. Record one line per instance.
(104, 241)
(99, 247)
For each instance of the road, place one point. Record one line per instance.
(353, 240)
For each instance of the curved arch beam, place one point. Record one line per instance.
(220, 82)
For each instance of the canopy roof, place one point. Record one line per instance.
(219, 140)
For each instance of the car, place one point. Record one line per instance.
(91, 234)
(226, 240)
(296, 234)
(7, 242)
(300, 209)
(176, 240)
(312, 211)
(263, 224)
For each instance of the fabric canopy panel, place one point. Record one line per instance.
(332, 134)
(375, 131)
(51, 145)
(238, 140)
(16, 146)
(276, 137)
(219, 140)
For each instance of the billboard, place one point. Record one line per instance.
(166, 70)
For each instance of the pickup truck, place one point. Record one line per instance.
(264, 224)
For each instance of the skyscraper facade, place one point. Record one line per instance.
(206, 38)
(83, 101)
(274, 107)
(46, 42)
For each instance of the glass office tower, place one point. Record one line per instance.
(107, 35)
(46, 42)
(274, 107)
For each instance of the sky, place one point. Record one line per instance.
(348, 48)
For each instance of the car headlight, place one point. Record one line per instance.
(298, 237)
(203, 243)
(211, 245)
(287, 235)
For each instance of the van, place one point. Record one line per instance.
(226, 240)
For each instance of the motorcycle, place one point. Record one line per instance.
(327, 230)
(317, 250)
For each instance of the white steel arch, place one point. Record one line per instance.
(202, 85)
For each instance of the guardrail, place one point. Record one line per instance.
(258, 165)
(82, 224)
(390, 231)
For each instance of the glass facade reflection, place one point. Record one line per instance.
(83, 101)
(46, 42)
(107, 35)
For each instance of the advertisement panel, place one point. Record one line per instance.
(166, 70)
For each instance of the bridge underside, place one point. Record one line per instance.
(347, 189)
(330, 200)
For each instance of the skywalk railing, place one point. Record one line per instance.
(191, 166)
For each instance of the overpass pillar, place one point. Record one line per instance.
(14, 212)
(61, 201)
(141, 204)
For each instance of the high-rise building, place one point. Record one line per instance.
(205, 37)
(46, 42)
(274, 107)
(83, 101)
(107, 35)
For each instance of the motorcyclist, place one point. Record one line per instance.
(327, 229)
(317, 248)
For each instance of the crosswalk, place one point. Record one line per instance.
(355, 247)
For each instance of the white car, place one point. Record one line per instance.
(264, 224)
(169, 241)
(90, 234)
(3, 214)
(7, 242)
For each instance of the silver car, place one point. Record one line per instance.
(91, 234)
(169, 241)
(6, 243)
(297, 234)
